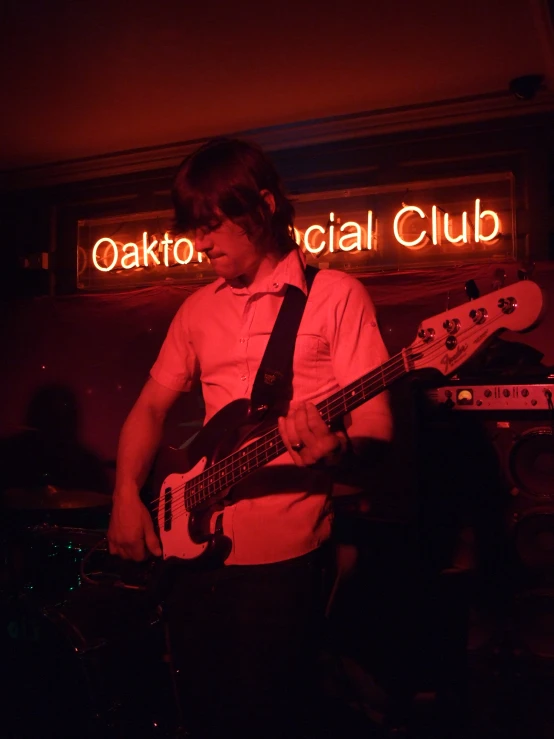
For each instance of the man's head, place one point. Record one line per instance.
(229, 179)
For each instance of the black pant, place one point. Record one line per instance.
(244, 641)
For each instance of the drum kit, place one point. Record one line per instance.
(83, 645)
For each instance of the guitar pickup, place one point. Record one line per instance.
(168, 499)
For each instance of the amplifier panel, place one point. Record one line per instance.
(494, 397)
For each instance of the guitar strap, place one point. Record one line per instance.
(273, 384)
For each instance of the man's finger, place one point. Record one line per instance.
(315, 421)
(153, 543)
(136, 552)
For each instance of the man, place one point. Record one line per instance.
(244, 635)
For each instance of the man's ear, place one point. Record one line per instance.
(269, 199)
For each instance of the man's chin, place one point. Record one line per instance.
(222, 271)
(218, 267)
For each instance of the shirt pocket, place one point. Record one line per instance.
(308, 353)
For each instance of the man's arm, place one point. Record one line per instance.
(131, 533)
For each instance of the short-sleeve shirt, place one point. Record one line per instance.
(219, 336)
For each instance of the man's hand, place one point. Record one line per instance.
(308, 438)
(131, 532)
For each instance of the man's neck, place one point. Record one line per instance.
(265, 268)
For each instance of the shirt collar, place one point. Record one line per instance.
(289, 271)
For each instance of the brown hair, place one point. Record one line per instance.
(226, 177)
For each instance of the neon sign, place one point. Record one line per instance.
(423, 238)
(107, 254)
(351, 236)
(432, 229)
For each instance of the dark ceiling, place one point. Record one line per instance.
(86, 78)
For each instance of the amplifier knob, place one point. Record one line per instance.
(525, 392)
(506, 393)
(488, 393)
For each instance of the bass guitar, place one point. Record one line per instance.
(232, 445)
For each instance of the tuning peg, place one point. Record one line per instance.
(472, 291)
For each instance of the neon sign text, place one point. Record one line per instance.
(423, 238)
(107, 254)
(354, 235)
(412, 228)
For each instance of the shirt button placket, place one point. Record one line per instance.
(242, 342)
(242, 339)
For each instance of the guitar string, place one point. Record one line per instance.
(225, 467)
(433, 349)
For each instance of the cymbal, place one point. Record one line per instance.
(50, 497)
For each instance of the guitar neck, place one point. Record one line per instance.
(360, 391)
(232, 469)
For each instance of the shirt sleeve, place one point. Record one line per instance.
(177, 366)
(357, 347)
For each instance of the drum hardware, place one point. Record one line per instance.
(91, 666)
(51, 561)
(51, 497)
(81, 634)
(115, 572)
(80, 642)
(45, 559)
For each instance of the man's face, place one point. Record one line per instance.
(230, 251)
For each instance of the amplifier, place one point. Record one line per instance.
(509, 439)
(494, 397)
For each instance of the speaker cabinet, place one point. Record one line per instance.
(525, 449)
(500, 463)
(501, 460)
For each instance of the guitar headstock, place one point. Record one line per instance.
(449, 339)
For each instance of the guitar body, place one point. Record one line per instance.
(194, 532)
